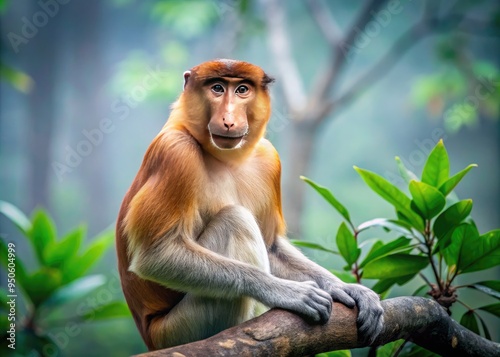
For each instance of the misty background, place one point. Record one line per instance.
(86, 86)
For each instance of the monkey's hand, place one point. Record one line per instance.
(303, 297)
(370, 311)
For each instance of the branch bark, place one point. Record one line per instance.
(281, 333)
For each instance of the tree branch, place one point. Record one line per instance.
(289, 75)
(325, 21)
(407, 40)
(327, 79)
(283, 334)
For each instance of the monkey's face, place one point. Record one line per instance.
(229, 99)
(227, 105)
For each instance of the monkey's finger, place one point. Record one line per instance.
(342, 297)
(323, 311)
(311, 310)
(324, 299)
(370, 321)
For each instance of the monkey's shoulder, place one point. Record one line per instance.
(267, 158)
(172, 150)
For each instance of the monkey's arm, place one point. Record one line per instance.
(289, 263)
(182, 264)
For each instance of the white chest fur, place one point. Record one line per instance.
(244, 185)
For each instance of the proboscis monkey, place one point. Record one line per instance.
(200, 235)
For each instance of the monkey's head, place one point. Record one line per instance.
(226, 105)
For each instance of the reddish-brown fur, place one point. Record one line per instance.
(168, 191)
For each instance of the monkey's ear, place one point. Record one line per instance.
(187, 74)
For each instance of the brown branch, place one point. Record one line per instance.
(281, 333)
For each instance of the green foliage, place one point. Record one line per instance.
(19, 80)
(187, 18)
(341, 353)
(390, 349)
(58, 282)
(347, 245)
(461, 94)
(437, 240)
(156, 78)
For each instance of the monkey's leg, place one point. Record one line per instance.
(233, 233)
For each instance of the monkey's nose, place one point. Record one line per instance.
(228, 123)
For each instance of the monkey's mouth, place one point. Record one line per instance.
(227, 142)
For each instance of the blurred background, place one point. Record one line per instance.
(86, 85)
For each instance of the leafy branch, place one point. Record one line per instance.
(434, 229)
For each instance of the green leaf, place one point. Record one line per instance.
(485, 328)
(454, 253)
(480, 253)
(417, 351)
(41, 284)
(74, 290)
(383, 285)
(490, 287)
(43, 233)
(391, 194)
(406, 174)
(15, 215)
(328, 196)
(310, 245)
(388, 224)
(348, 247)
(341, 353)
(112, 310)
(446, 222)
(453, 181)
(79, 265)
(437, 166)
(428, 199)
(59, 252)
(493, 309)
(394, 266)
(346, 277)
(469, 321)
(399, 245)
(389, 349)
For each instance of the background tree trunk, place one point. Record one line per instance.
(44, 46)
(89, 78)
(300, 154)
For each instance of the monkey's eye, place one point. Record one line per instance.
(242, 89)
(218, 88)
